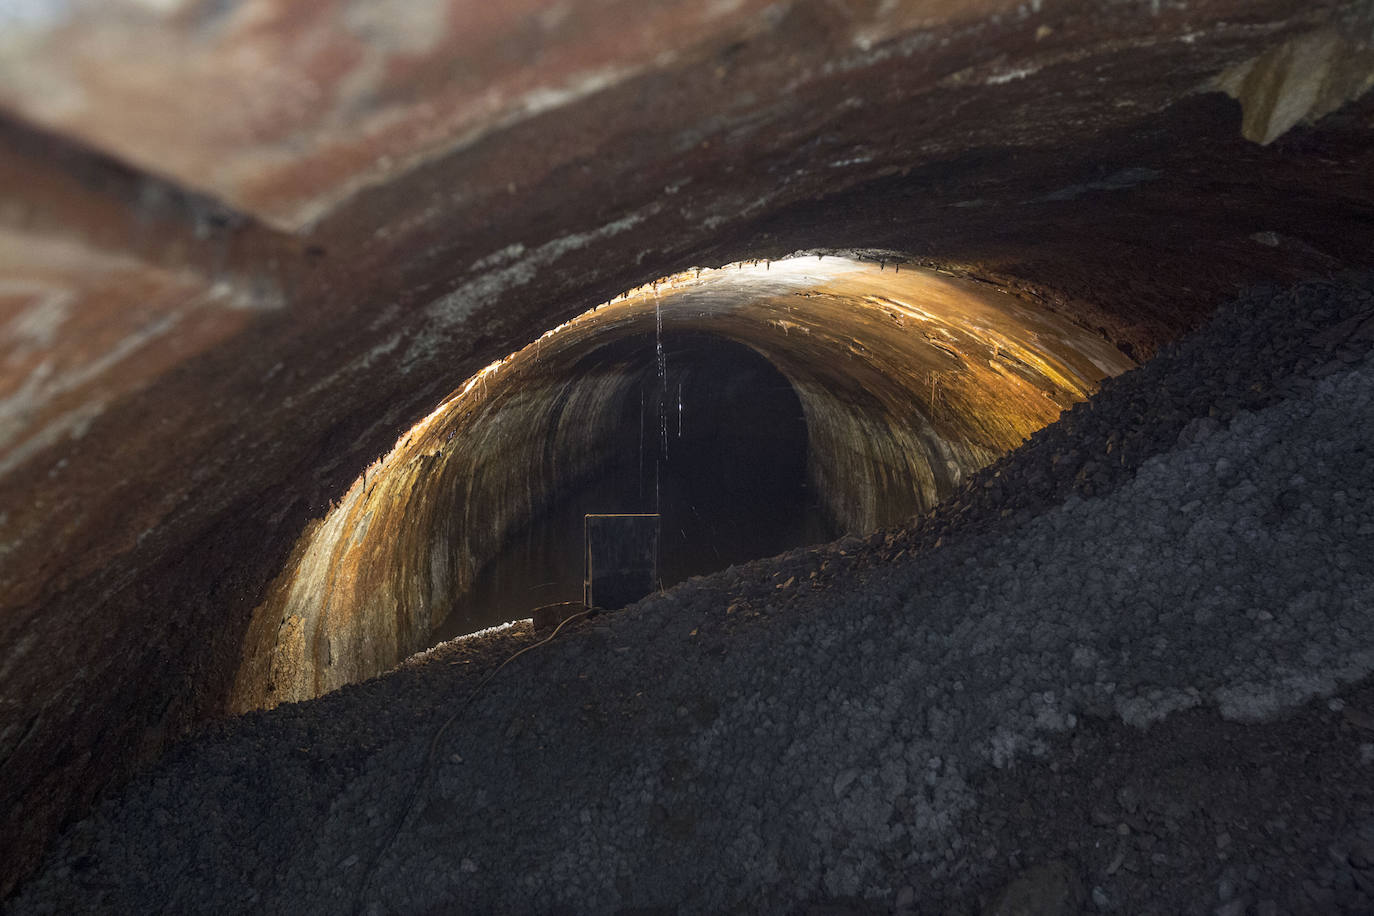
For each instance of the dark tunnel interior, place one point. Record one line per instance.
(710, 436)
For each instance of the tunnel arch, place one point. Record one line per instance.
(908, 381)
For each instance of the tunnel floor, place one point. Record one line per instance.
(1125, 669)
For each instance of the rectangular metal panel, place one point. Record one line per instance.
(621, 559)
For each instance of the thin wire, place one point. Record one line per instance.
(420, 778)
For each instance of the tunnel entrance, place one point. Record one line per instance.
(709, 435)
(732, 401)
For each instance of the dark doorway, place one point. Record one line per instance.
(710, 435)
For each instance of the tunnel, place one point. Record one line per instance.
(852, 396)
(715, 446)
(324, 328)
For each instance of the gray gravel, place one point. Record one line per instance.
(929, 719)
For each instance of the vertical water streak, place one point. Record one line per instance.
(662, 396)
(662, 375)
(641, 443)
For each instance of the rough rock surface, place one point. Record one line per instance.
(1126, 669)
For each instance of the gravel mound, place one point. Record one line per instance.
(1125, 669)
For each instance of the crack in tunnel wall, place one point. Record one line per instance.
(908, 381)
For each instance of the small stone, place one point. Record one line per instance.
(1319, 895)
(1198, 429)
(1100, 898)
(1123, 829)
(467, 867)
(1358, 717)
(1043, 890)
(906, 898)
(1223, 840)
(1235, 907)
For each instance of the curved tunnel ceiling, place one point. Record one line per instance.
(908, 381)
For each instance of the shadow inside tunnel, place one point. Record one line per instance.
(716, 444)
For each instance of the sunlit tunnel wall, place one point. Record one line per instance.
(907, 380)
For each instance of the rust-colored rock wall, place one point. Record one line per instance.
(246, 245)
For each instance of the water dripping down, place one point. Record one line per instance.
(662, 360)
(640, 478)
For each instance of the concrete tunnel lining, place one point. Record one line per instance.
(908, 381)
